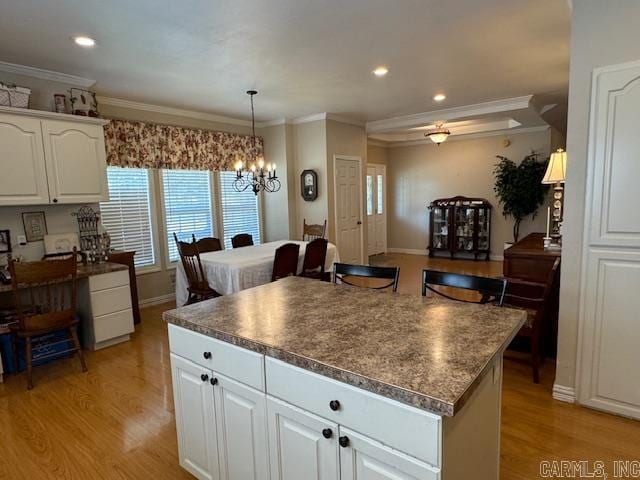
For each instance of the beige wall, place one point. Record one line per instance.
(310, 152)
(421, 173)
(377, 154)
(602, 33)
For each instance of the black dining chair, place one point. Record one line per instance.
(285, 262)
(491, 289)
(207, 244)
(242, 240)
(315, 256)
(342, 270)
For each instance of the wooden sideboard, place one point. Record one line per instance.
(528, 260)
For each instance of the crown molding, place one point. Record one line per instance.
(326, 116)
(455, 113)
(66, 117)
(471, 136)
(46, 74)
(272, 123)
(148, 107)
(374, 142)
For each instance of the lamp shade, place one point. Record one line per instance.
(557, 168)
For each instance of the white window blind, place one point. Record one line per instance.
(187, 206)
(127, 215)
(239, 210)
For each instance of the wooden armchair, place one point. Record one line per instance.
(535, 298)
(315, 256)
(311, 232)
(207, 244)
(242, 240)
(198, 286)
(285, 262)
(51, 292)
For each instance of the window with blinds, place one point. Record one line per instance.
(127, 215)
(239, 210)
(187, 206)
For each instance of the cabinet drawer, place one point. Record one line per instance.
(235, 362)
(108, 280)
(113, 325)
(110, 300)
(400, 426)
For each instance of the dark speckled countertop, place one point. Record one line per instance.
(426, 352)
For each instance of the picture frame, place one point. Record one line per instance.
(35, 226)
(5, 241)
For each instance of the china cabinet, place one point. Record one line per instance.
(460, 225)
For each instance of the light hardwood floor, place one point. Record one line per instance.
(116, 421)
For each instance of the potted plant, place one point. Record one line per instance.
(519, 188)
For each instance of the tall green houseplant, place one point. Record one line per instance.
(519, 188)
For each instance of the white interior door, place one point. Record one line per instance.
(348, 208)
(610, 330)
(23, 180)
(195, 418)
(376, 202)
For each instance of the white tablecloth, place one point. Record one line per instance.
(229, 271)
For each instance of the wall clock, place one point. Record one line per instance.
(309, 185)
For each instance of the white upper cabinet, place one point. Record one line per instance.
(23, 180)
(76, 162)
(51, 158)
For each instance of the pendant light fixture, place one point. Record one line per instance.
(258, 176)
(438, 134)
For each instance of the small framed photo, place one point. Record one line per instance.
(5, 241)
(35, 226)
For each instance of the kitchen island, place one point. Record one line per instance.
(300, 379)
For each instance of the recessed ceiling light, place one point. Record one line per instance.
(84, 41)
(381, 71)
(439, 97)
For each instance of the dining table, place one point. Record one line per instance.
(233, 270)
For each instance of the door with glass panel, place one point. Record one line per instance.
(376, 209)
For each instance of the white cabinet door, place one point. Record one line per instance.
(76, 162)
(23, 180)
(364, 459)
(242, 431)
(195, 418)
(610, 331)
(298, 446)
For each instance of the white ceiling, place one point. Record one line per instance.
(304, 56)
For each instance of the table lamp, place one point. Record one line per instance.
(556, 174)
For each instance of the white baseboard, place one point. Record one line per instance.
(410, 251)
(564, 394)
(415, 251)
(147, 302)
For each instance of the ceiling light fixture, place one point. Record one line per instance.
(258, 176)
(439, 97)
(380, 71)
(84, 41)
(438, 134)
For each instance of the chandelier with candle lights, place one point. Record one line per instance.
(258, 175)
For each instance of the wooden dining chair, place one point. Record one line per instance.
(242, 240)
(315, 256)
(207, 244)
(198, 287)
(535, 299)
(490, 289)
(50, 290)
(311, 232)
(341, 272)
(285, 262)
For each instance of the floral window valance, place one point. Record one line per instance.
(148, 145)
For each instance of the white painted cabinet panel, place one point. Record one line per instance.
(24, 179)
(195, 418)
(76, 162)
(241, 420)
(365, 459)
(610, 331)
(298, 447)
